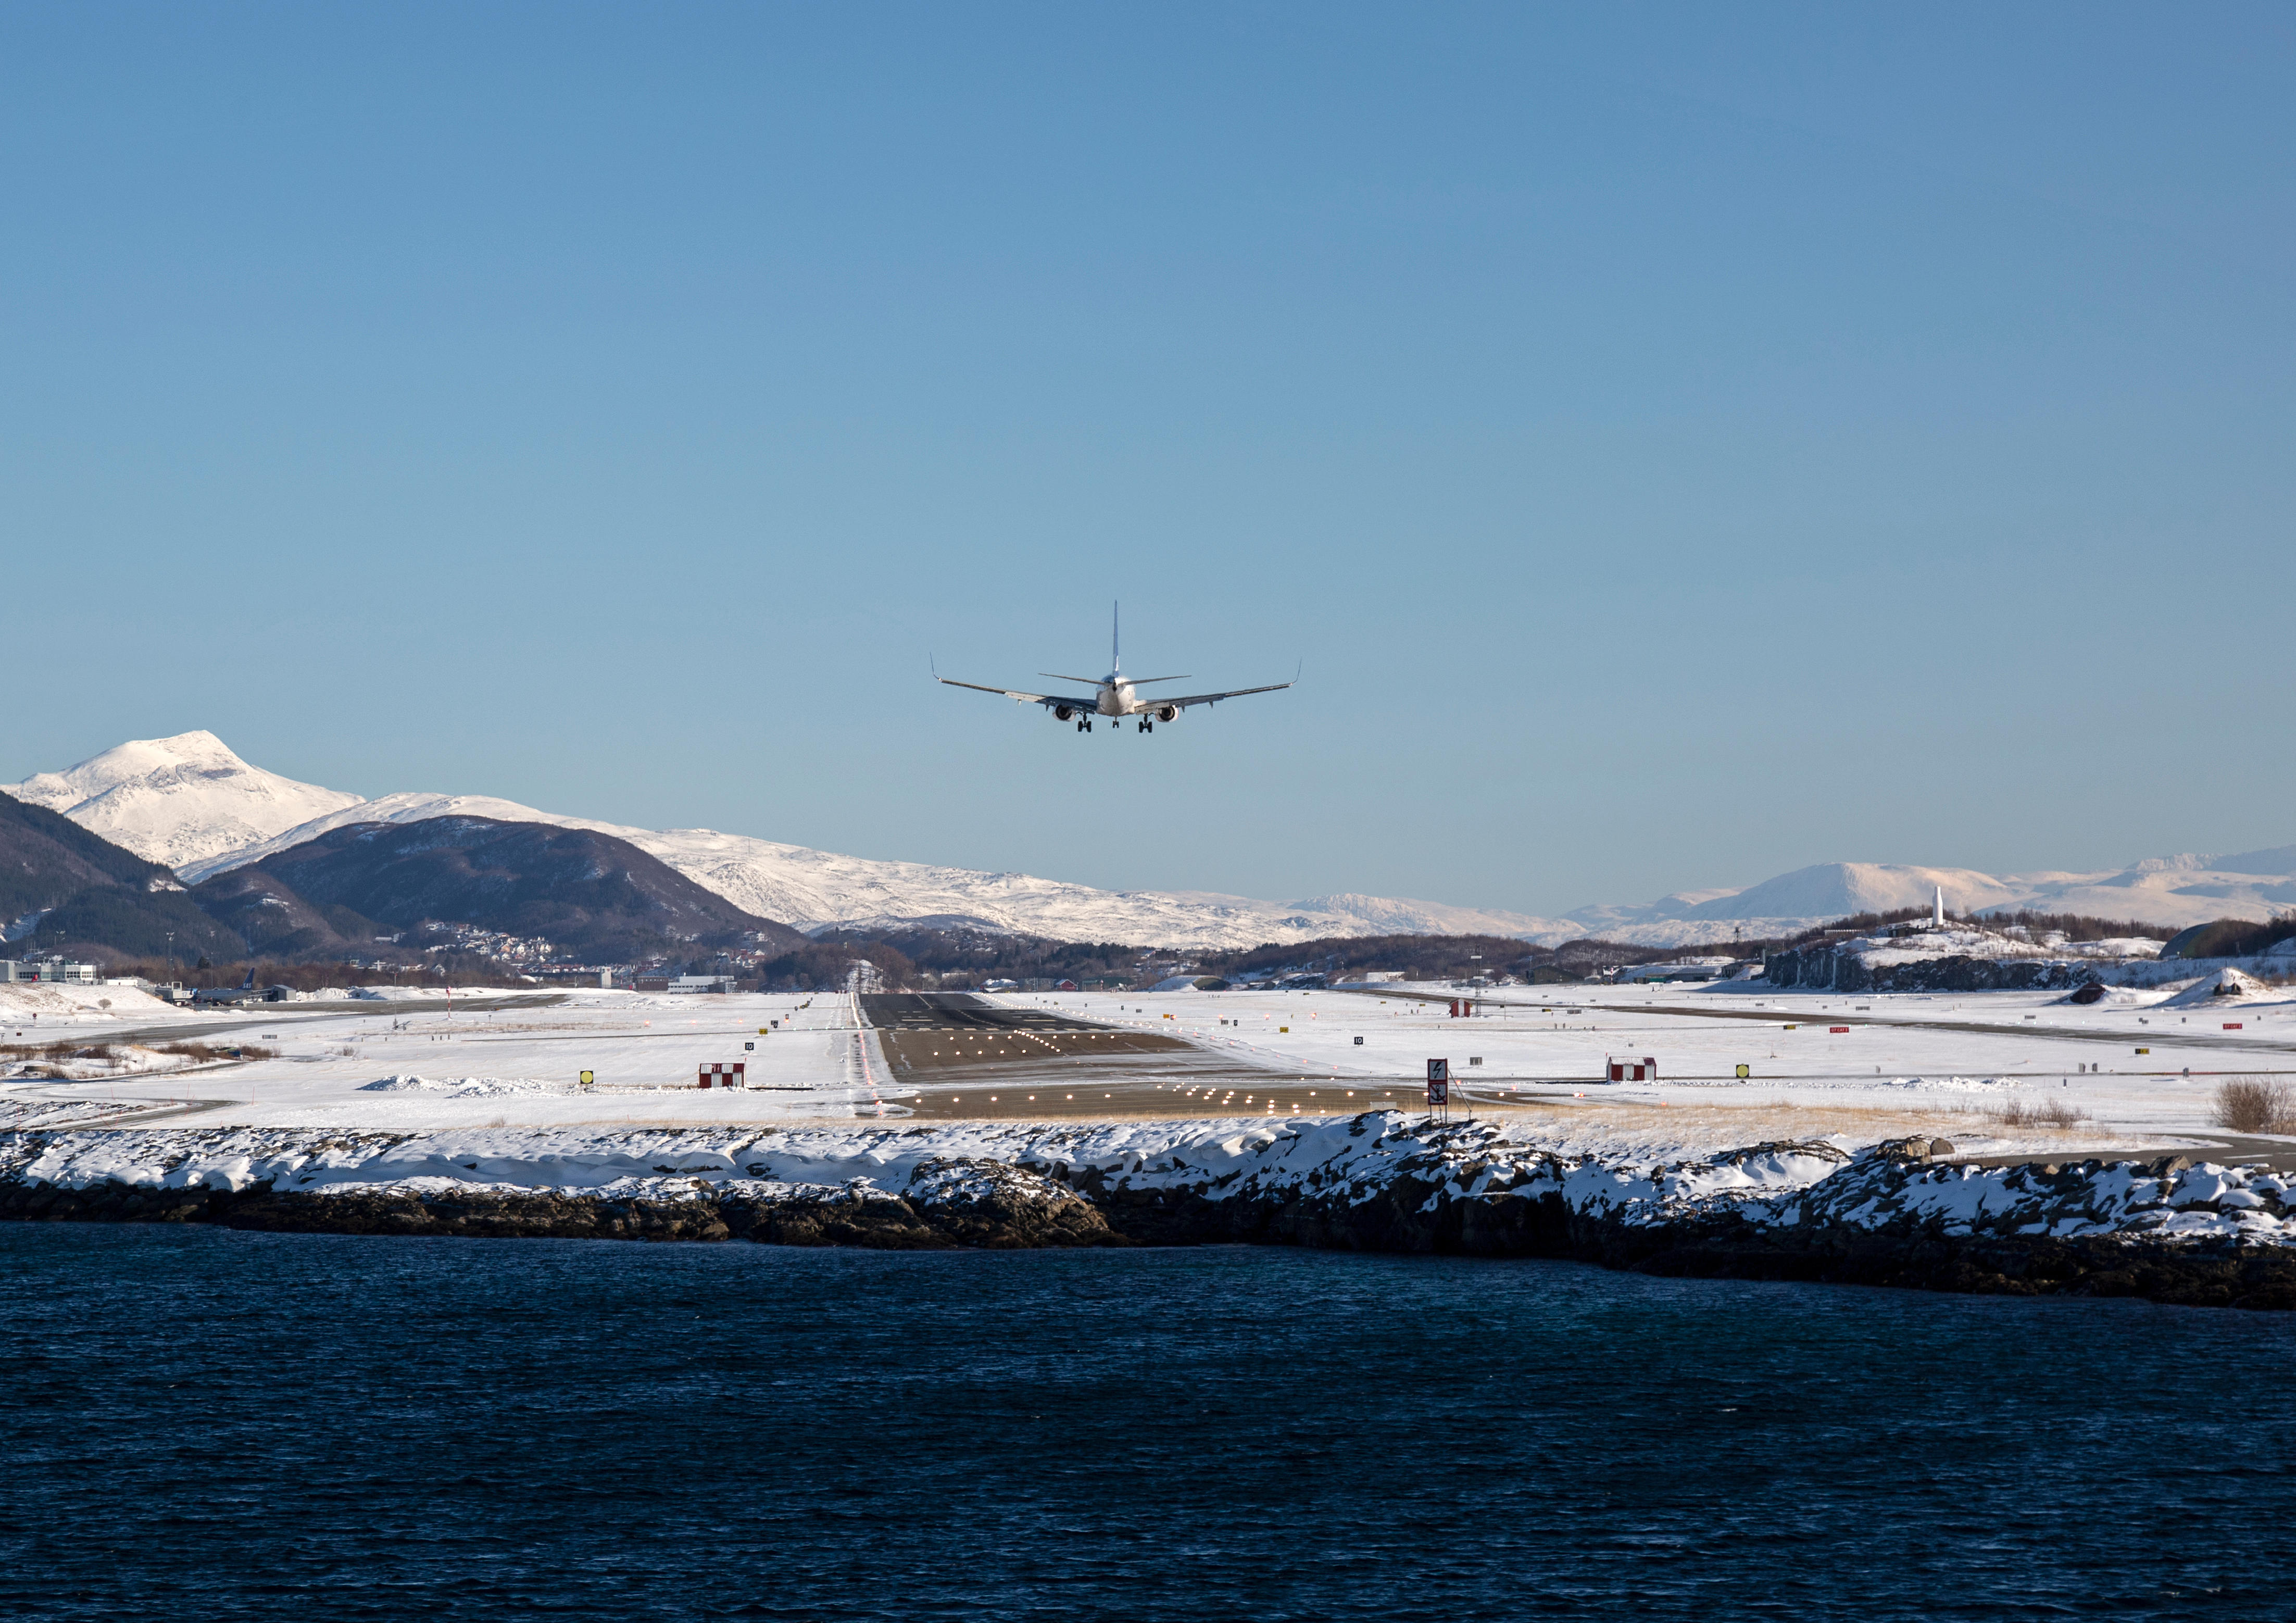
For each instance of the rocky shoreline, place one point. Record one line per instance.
(1893, 1217)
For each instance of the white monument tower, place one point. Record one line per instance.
(1937, 910)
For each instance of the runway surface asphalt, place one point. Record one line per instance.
(969, 1059)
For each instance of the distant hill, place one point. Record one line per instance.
(65, 889)
(592, 894)
(280, 926)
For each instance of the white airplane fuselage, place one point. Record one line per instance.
(1115, 697)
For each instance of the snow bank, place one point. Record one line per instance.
(71, 1000)
(2226, 986)
(464, 1087)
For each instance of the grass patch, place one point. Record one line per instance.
(58, 1053)
(2255, 1104)
(208, 1054)
(2055, 1114)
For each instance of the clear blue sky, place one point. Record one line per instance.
(1684, 442)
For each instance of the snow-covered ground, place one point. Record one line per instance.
(1917, 1056)
(24, 1003)
(1904, 1063)
(411, 1097)
(415, 1063)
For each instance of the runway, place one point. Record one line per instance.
(970, 1058)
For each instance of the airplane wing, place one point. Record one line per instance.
(1047, 700)
(1214, 698)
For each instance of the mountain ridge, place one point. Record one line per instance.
(588, 893)
(64, 887)
(187, 794)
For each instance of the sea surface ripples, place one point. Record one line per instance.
(208, 1424)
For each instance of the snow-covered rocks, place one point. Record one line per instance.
(1344, 1161)
(1377, 1181)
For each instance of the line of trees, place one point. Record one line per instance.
(460, 970)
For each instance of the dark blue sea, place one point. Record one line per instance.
(203, 1424)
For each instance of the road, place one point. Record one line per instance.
(2151, 1037)
(198, 1028)
(972, 1058)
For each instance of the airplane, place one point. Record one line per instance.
(1115, 695)
(243, 992)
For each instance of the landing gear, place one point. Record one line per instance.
(1147, 726)
(1084, 727)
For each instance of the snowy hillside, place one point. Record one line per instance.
(176, 800)
(1834, 889)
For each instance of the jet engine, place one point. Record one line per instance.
(1061, 712)
(1167, 712)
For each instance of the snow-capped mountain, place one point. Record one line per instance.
(2172, 890)
(1795, 901)
(808, 888)
(190, 802)
(176, 800)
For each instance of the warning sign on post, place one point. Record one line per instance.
(1438, 1082)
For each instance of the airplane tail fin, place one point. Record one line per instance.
(248, 985)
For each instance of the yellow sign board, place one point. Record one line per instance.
(1744, 1071)
(588, 1078)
